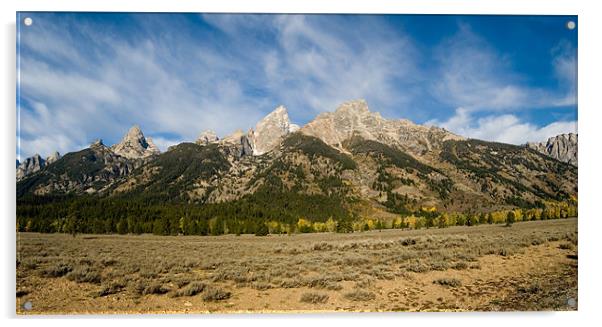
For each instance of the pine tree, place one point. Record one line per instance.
(203, 227)
(482, 218)
(158, 227)
(443, 221)
(122, 226)
(490, 218)
(344, 226)
(510, 218)
(71, 224)
(262, 230)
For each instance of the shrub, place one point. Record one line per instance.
(451, 282)
(192, 289)
(261, 286)
(365, 282)
(407, 241)
(216, 294)
(29, 264)
(57, 270)
(460, 266)
(107, 262)
(111, 288)
(314, 298)
(537, 241)
(360, 295)
(181, 282)
(531, 289)
(417, 267)
(504, 252)
(290, 283)
(439, 265)
(323, 283)
(84, 274)
(322, 246)
(154, 288)
(566, 246)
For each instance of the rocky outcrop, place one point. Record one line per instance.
(34, 164)
(240, 141)
(207, 137)
(135, 146)
(267, 134)
(562, 147)
(353, 118)
(270, 130)
(233, 138)
(53, 158)
(30, 165)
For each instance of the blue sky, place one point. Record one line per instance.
(90, 75)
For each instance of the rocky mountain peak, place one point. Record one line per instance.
(97, 143)
(234, 137)
(135, 132)
(53, 157)
(30, 165)
(134, 145)
(355, 118)
(206, 137)
(240, 141)
(354, 107)
(562, 147)
(271, 129)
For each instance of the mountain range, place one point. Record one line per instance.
(349, 162)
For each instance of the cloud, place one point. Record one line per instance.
(165, 143)
(313, 63)
(504, 128)
(473, 75)
(328, 65)
(177, 75)
(565, 68)
(114, 84)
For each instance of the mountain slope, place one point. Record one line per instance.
(512, 174)
(185, 168)
(90, 170)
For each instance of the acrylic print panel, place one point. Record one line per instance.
(195, 163)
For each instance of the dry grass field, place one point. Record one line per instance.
(529, 266)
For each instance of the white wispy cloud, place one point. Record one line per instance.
(474, 76)
(165, 143)
(506, 128)
(141, 83)
(317, 64)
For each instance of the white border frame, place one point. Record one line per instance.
(590, 25)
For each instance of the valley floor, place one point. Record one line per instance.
(529, 266)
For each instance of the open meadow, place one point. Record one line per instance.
(528, 266)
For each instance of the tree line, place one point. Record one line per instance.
(251, 216)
